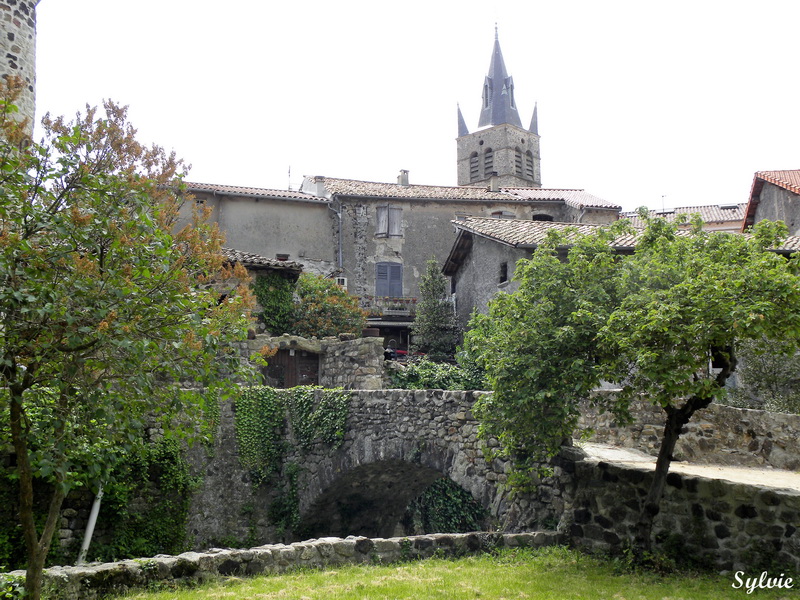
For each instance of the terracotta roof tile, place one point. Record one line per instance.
(351, 187)
(235, 190)
(712, 213)
(788, 180)
(576, 198)
(256, 261)
(529, 234)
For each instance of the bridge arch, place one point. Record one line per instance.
(397, 443)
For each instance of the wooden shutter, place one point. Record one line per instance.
(395, 222)
(382, 220)
(389, 279)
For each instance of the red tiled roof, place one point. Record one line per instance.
(235, 190)
(712, 213)
(788, 180)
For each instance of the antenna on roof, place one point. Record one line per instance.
(290, 178)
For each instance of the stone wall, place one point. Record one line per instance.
(716, 523)
(95, 581)
(18, 51)
(347, 362)
(719, 434)
(352, 364)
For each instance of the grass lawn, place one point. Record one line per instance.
(546, 574)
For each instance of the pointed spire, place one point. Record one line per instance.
(462, 125)
(499, 105)
(534, 128)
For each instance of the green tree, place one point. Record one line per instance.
(768, 376)
(662, 324)
(105, 306)
(275, 294)
(435, 330)
(325, 308)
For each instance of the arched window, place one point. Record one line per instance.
(488, 162)
(518, 162)
(529, 165)
(474, 167)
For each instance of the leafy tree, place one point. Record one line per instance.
(105, 306)
(425, 374)
(768, 376)
(663, 324)
(325, 308)
(435, 330)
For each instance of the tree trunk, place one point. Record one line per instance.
(36, 546)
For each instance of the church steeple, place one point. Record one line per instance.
(499, 105)
(501, 146)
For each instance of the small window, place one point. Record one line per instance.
(389, 221)
(503, 214)
(503, 272)
(541, 218)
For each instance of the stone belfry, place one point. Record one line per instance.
(18, 51)
(500, 146)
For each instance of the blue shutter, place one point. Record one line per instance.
(389, 279)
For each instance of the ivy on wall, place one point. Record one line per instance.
(444, 506)
(265, 420)
(275, 294)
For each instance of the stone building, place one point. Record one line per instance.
(375, 238)
(775, 196)
(18, 51)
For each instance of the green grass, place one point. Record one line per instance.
(547, 574)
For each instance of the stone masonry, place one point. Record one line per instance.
(18, 51)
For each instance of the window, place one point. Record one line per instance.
(389, 279)
(518, 169)
(529, 165)
(503, 214)
(541, 217)
(488, 162)
(389, 221)
(503, 272)
(474, 167)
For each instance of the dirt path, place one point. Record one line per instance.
(766, 477)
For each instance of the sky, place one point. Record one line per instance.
(656, 103)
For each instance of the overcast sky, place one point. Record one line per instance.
(640, 102)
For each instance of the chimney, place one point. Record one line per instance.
(319, 182)
(494, 182)
(402, 179)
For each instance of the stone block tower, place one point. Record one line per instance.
(18, 51)
(501, 147)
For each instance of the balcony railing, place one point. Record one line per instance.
(388, 306)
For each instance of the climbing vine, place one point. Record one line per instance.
(444, 506)
(275, 294)
(265, 417)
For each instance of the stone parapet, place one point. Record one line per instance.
(95, 581)
(718, 434)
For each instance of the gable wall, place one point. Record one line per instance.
(778, 204)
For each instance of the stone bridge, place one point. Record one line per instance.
(397, 442)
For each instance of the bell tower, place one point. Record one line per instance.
(500, 145)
